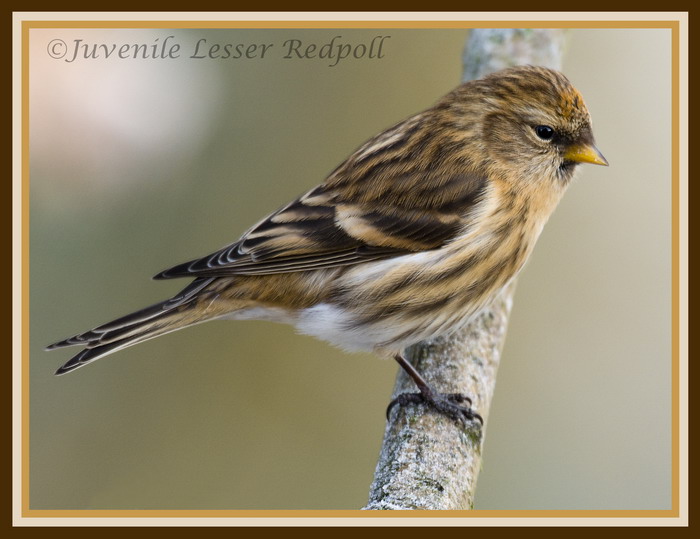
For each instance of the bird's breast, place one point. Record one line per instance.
(390, 304)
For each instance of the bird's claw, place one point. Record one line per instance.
(449, 404)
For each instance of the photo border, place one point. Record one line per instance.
(23, 23)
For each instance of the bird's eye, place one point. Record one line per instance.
(544, 132)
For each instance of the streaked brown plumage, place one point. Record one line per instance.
(407, 239)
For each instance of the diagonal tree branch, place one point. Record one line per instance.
(428, 461)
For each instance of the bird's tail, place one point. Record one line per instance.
(159, 319)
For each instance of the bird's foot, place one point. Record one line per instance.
(450, 404)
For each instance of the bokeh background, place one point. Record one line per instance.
(137, 165)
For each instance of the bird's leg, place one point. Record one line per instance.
(450, 404)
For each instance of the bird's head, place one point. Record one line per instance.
(532, 120)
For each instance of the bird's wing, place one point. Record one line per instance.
(383, 201)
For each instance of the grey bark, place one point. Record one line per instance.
(427, 460)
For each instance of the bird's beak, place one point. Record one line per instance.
(585, 153)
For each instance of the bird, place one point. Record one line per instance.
(406, 240)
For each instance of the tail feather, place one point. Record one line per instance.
(88, 355)
(112, 341)
(126, 323)
(134, 328)
(136, 318)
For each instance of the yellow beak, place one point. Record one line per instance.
(585, 153)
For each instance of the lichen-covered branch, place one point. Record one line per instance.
(428, 461)
(488, 50)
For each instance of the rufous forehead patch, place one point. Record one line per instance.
(571, 104)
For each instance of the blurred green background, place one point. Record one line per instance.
(137, 165)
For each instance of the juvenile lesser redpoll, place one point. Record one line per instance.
(406, 240)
